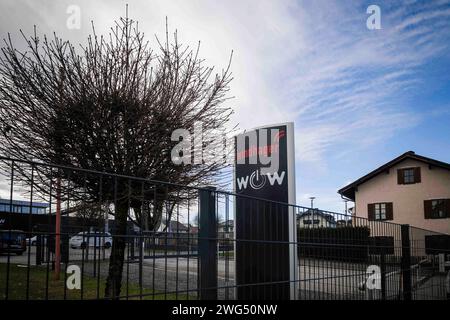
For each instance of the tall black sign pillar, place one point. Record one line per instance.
(207, 244)
(266, 257)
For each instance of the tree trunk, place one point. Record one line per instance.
(156, 218)
(116, 259)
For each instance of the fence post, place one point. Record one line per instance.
(141, 257)
(447, 285)
(38, 249)
(383, 275)
(132, 243)
(406, 263)
(207, 246)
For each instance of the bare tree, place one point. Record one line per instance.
(110, 106)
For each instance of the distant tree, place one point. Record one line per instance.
(110, 106)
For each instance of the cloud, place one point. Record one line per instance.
(4, 188)
(350, 82)
(314, 63)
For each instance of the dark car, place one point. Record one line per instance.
(13, 241)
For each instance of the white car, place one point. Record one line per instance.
(33, 241)
(83, 239)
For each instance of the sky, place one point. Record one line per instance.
(358, 97)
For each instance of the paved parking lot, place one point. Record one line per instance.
(75, 254)
(318, 279)
(171, 274)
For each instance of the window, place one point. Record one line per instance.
(311, 222)
(380, 211)
(408, 175)
(437, 208)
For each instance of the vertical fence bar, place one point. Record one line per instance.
(39, 247)
(30, 232)
(58, 229)
(447, 285)
(406, 263)
(154, 246)
(140, 240)
(102, 239)
(207, 246)
(8, 243)
(129, 243)
(383, 274)
(48, 235)
(189, 244)
(166, 230)
(68, 199)
(227, 244)
(177, 248)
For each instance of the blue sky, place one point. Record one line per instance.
(358, 97)
(395, 95)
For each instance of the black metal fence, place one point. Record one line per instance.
(180, 243)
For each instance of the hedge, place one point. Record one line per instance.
(342, 243)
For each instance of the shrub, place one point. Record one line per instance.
(343, 243)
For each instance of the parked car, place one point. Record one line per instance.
(84, 239)
(12, 241)
(32, 241)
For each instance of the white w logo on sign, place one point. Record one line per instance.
(275, 177)
(242, 182)
(257, 181)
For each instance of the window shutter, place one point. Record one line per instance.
(417, 177)
(400, 176)
(389, 211)
(427, 208)
(447, 207)
(371, 211)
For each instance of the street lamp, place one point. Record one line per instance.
(312, 202)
